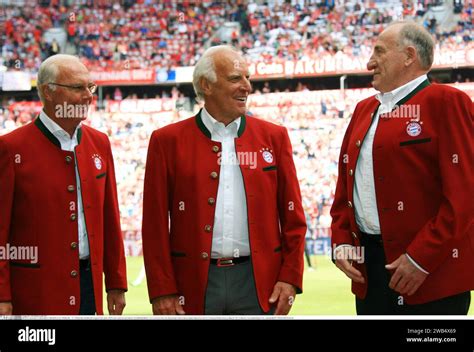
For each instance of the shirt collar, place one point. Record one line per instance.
(215, 126)
(57, 130)
(389, 99)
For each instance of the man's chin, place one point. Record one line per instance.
(242, 110)
(375, 84)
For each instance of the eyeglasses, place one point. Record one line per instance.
(91, 87)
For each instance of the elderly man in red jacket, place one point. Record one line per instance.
(403, 212)
(223, 224)
(59, 205)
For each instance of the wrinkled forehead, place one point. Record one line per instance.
(389, 37)
(231, 62)
(74, 70)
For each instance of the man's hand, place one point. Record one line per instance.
(167, 305)
(407, 278)
(285, 295)
(116, 302)
(344, 257)
(6, 308)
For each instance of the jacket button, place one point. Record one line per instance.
(73, 217)
(73, 245)
(70, 188)
(74, 273)
(214, 175)
(207, 228)
(354, 235)
(68, 159)
(351, 172)
(349, 204)
(204, 255)
(358, 143)
(211, 201)
(215, 149)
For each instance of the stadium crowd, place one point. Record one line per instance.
(166, 34)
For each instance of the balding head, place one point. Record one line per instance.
(402, 52)
(206, 66)
(416, 36)
(55, 65)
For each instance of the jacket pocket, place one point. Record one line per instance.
(101, 175)
(178, 254)
(415, 141)
(25, 265)
(270, 168)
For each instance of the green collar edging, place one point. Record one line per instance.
(51, 136)
(421, 86)
(207, 133)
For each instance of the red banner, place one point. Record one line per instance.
(124, 77)
(341, 63)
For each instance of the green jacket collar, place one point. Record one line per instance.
(207, 133)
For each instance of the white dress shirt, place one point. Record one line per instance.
(365, 202)
(68, 144)
(230, 235)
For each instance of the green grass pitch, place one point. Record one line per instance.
(326, 291)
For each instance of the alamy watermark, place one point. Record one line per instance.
(350, 253)
(405, 111)
(239, 158)
(72, 111)
(9, 252)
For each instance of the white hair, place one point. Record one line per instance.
(49, 70)
(412, 34)
(206, 68)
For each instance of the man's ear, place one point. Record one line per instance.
(411, 55)
(206, 86)
(47, 92)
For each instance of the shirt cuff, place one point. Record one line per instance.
(416, 264)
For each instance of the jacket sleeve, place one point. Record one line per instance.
(114, 255)
(292, 218)
(155, 229)
(437, 239)
(7, 182)
(340, 226)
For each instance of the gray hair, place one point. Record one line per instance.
(412, 34)
(49, 70)
(206, 68)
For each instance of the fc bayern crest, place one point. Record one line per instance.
(97, 161)
(267, 155)
(414, 129)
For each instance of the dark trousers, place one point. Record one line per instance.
(87, 289)
(381, 299)
(231, 291)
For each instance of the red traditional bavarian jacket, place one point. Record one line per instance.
(424, 179)
(183, 171)
(38, 207)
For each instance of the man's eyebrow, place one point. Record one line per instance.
(379, 48)
(234, 75)
(238, 75)
(76, 84)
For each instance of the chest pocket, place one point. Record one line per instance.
(415, 141)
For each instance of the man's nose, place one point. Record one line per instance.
(87, 95)
(371, 64)
(247, 86)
